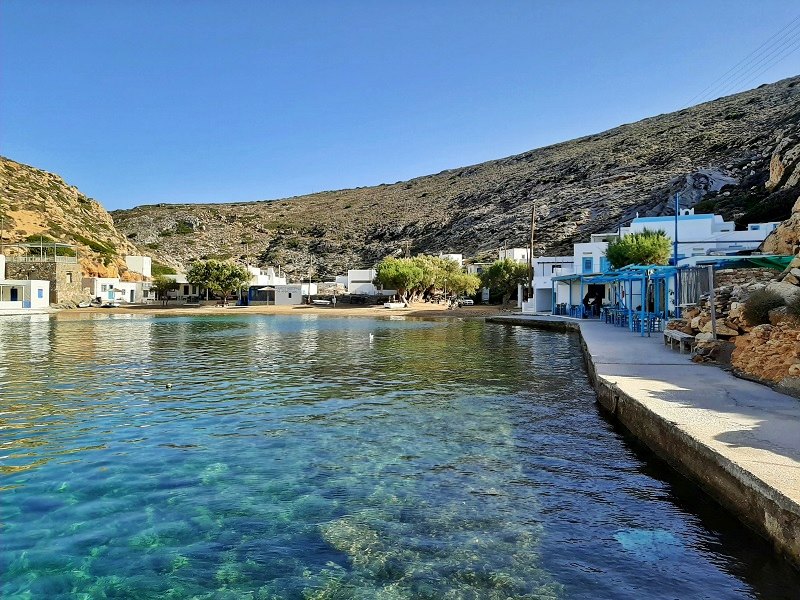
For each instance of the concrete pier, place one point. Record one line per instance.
(740, 441)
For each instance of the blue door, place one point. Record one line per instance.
(587, 264)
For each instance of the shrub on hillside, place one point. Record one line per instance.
(758, 305)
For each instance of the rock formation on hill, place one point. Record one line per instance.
(717, 155)
(35, 204)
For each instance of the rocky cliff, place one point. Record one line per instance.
(35, 204)
(717, 155)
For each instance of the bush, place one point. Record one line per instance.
(157, 269)
(758, 305)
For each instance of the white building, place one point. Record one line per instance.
(24, 294)
(459, 258)
(478, 267)
(700, 235)
(140, 264)
(186, 292)
(294, 293)
(519, 255)
(359, 281)
(111, 289)
(265, 276)
(544, 269)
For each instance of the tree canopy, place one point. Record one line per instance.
(162, 285)
(645, 248)
(221, 278)
(504, 276)
(424, 274)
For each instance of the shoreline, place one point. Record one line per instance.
(737, 440)
(417, 310)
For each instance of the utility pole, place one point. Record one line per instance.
(310, 266)
(675, 258)
(530, 252)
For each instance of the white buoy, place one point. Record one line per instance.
(168, 386)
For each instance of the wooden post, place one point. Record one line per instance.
(712, 301)
(530, 252)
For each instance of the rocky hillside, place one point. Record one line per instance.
(716, 154)
(35, 204)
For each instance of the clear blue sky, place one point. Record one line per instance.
(138, 101)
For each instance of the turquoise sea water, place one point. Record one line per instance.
(302, 457)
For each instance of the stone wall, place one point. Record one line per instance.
(64, 278)
(771, 353)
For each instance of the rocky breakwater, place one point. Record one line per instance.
(732, 288)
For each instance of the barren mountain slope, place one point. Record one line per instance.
(582, 186)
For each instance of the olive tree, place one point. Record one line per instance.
(221, 278)
(505, 275)
(162, 285)
(401, 274)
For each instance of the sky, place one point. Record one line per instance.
(141, 101)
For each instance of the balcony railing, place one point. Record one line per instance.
(69, 260)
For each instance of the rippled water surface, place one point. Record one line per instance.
(303, 457)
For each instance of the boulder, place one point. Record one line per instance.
(786, 290)
(722, 329)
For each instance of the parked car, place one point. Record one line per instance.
(466, 302)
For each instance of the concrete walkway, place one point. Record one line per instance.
(748, 431)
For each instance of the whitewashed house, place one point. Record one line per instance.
(519, 255)
(185, 292)
(360, 281)
(701, 235)
(143, 265)
(266, 276)
(458, 258)
(544, 269)
(24, 295)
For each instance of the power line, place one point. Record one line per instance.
(769, 47)
(751, 75)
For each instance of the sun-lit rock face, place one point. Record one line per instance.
(36, 204)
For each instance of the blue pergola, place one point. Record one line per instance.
(658, 279)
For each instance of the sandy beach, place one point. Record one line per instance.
(420, 310)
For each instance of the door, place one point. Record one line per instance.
(14, 295)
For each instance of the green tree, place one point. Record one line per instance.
(162, 285)
(221, 278)
(645, 248)
(401, 274)
(505, 275)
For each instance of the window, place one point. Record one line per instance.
(186, 290)
(604, 264)
(40, 291)
(290, 294)
(69, 277)
(104, 288)
(587, 264)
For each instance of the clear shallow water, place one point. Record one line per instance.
(298, 458)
